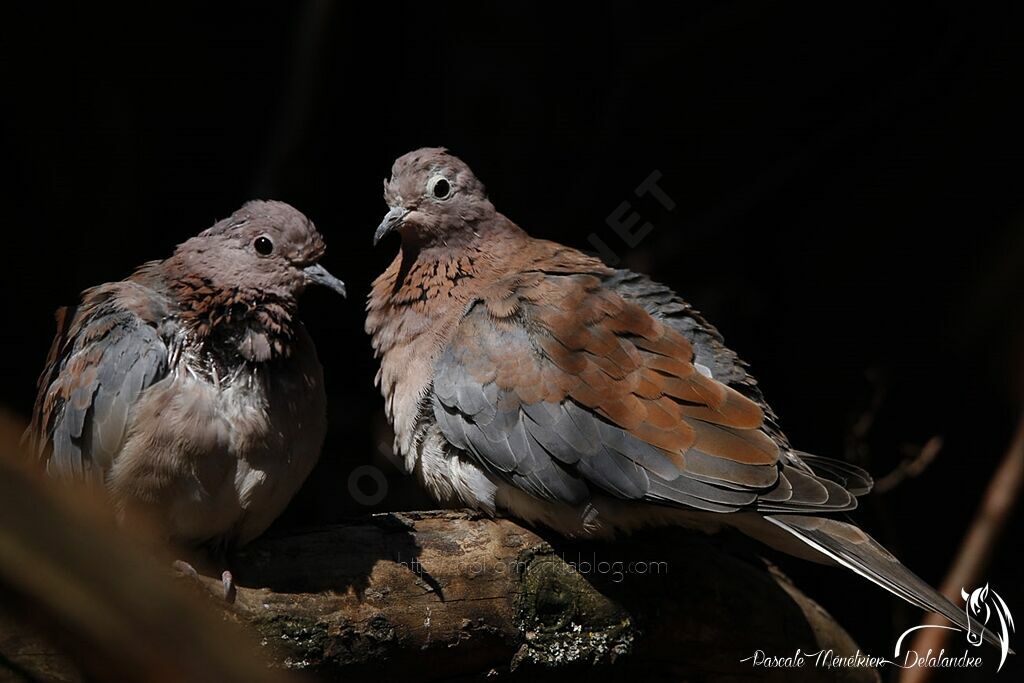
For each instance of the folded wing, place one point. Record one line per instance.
(561, 386)
(102, 358)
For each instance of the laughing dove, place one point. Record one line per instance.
(191, 390)
(527, 378)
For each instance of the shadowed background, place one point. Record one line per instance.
(847, 189)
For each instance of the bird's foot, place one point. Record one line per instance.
(185, 570)
(227, 580)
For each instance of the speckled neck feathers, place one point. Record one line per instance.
(255, 324)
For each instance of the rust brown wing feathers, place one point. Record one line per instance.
(602, 389)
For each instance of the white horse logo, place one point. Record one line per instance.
(982, 607)
(981, 604)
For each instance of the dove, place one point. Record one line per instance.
(190, 392)
(528, 379)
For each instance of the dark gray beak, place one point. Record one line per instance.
(318, 275)
(391, 222)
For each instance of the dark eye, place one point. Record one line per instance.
(263, 246)
(439, 187)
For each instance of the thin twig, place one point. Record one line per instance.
(910, 467)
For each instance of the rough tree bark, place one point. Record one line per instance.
(447, 595)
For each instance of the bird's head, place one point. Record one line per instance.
(238, 282)
(264, 247)
(433, 197)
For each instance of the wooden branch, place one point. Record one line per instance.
(447, 595)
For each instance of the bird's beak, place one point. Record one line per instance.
(318, 275)
(391, 221)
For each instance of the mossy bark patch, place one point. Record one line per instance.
(303, 643)
(563, 619)
(298, 641)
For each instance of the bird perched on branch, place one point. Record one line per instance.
(527, 378)
(191, 390)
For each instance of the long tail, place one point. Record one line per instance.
(850, 547)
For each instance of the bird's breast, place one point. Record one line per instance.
(411, 313)
(408, 345)
(220, 454)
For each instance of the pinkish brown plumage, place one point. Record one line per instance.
(191, 390)
(526, 378)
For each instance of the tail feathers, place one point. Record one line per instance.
(850, 547)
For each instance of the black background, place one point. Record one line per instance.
(847, 182)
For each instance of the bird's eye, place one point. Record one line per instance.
(439, 187)
(263, 245)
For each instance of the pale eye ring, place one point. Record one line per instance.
(439, 187)
(263, 245)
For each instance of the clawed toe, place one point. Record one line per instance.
(228, 581)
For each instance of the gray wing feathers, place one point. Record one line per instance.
(89, 430)
(850, 477)
(806, 493)
(708, 468)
